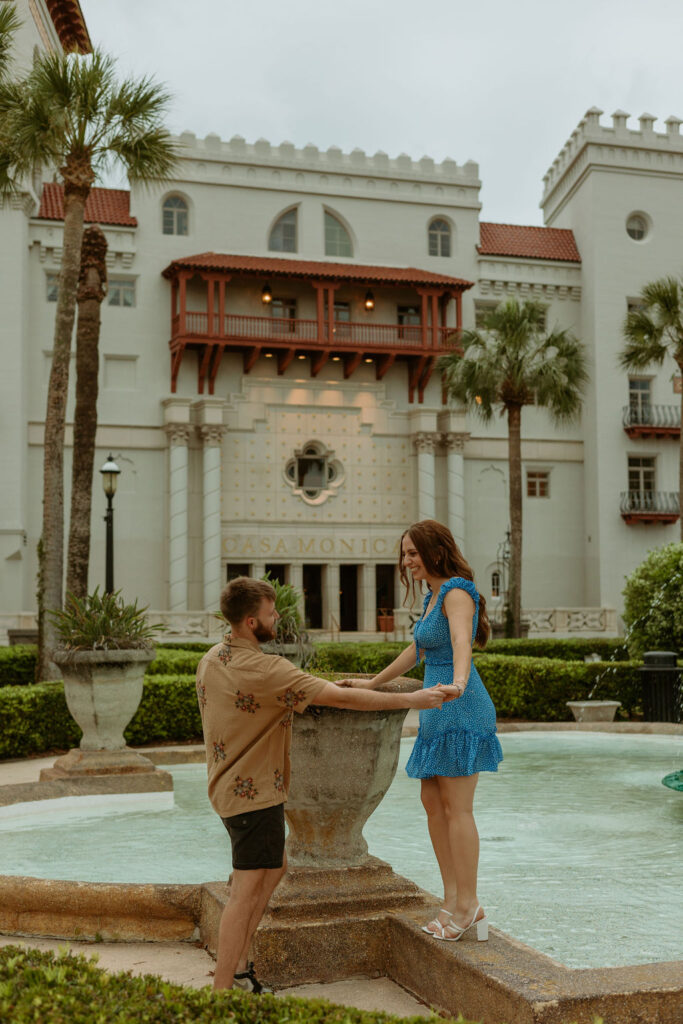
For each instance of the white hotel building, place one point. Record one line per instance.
(267, 388)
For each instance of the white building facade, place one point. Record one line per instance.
(267, 388)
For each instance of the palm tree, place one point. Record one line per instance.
(652, 332)
(510, 363)
(92, 287)
(69, 112)
(9, 23)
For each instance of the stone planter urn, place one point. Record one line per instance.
(343, 762)
(103, 690)
(594, 710)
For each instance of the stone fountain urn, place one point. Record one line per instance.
(103, 690)
(343, 762)
(593, 710)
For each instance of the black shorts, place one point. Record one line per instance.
(258, 838)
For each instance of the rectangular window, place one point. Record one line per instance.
(409, 319)
(52, 287)
(283, 313)
(639, 400)
(235, 569)
(121, 293)
(641, 474)
(537, 483)
(482, 308)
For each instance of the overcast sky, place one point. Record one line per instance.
(488, 80)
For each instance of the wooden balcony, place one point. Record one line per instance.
(659, 507)
(214, 330)
(652, 421)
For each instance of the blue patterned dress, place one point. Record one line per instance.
(458, 738)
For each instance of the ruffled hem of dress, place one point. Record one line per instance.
(454, 753)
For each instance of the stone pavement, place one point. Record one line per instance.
(187, 963)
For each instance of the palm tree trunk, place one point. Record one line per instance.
(680, 460)
(51, 548)
(91, 292)
(515, 461)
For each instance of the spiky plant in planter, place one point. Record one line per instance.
(105, 647)
(103, 622)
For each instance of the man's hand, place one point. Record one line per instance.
(434, 696)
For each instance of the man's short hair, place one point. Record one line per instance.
(242, 597)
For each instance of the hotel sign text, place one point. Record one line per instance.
(316, 546)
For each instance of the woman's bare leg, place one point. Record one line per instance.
(437, 823)
(457, 798)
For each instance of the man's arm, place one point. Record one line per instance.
(368, 700)
(398, 667)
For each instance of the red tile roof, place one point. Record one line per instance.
(275, 266)
(527, 242)
(103, 205)
(69, 22)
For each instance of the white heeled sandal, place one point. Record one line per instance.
(437, 931)
(482, 929)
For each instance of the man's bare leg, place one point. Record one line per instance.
(245, 897)
(271, 879)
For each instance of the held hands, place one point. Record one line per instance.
(435, 696)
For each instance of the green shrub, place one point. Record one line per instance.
(18, 664)
(361, 657)
(564, 648)
(168, 711)
(537, 689)
(185, 645)
(182, 662)
(35, 719)
(653, 602)
(64, 989)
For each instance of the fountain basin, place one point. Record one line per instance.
(594, 710)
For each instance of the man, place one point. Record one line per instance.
(247, 700)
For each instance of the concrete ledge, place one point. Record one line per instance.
(90, 910)
(89, 785)
(501, 979)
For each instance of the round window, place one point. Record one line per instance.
(636, 227)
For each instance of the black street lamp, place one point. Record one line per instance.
(109, 472)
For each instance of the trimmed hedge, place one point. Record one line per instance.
(36, 987)
(537, 689)
(17, 664)
(35, 719)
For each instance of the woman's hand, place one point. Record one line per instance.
(433, 696)
(357, 684)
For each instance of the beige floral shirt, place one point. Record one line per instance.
(247, 700)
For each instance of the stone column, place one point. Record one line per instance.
(331, 612)
(296, 580)
(258, 570)
(367, 598)
(425, 443)
(178, 439)
(455, 447)
(212, 458)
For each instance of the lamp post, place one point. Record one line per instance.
(109, 472)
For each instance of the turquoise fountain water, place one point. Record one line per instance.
(580, 843)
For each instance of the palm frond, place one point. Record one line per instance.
(644, 341)
(9, 23)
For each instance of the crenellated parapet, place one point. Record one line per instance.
(640, 149)
(308, 168)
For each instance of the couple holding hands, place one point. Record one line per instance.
(247, 700)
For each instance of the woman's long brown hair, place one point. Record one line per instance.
(442, 557)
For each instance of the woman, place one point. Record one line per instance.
(456, 742)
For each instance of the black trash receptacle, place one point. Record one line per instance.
(661, 682)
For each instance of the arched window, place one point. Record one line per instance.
(337, 238)
(439, 238)
(495, 583)
(175, 216)
(283, 234)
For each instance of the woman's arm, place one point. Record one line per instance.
(399, 666)
(459, 608)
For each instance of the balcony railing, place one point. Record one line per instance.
(283, 330)
(652, 420)
(650, 506)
